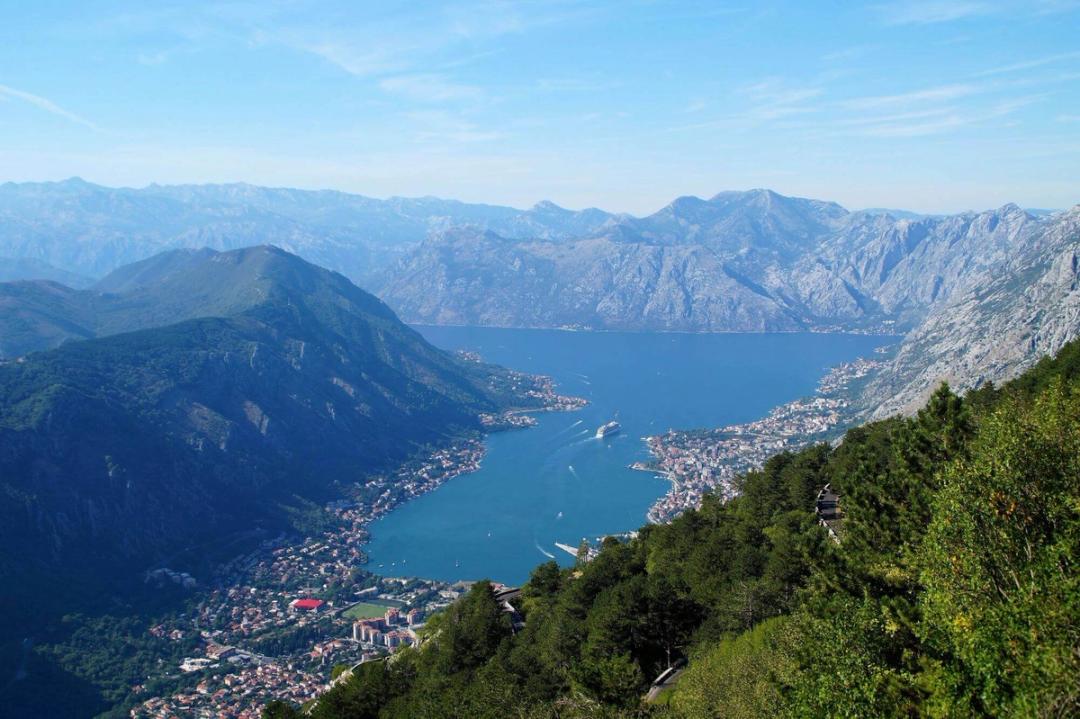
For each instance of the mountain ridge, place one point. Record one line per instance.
(994, 329)
(80, 226)
(264, 388)
(816, 265)
(749, 261)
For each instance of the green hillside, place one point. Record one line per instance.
(952, 592)
(223, 400)
(176, 286)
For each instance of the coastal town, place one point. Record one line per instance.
(697, 462)
(284, 620)
(281, 618)
(538, 390)
(274, 623)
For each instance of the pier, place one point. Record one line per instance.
(572, 551)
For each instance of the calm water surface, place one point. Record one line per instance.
(555, 482)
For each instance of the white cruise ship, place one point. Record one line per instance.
(606, 430)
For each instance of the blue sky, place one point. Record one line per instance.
(932, 105)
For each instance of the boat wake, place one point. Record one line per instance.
(543, 551)
(583, 436)
(573, 472)
(563, 431)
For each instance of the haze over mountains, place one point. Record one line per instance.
(76, 224)
(753, 261)
(739, 261)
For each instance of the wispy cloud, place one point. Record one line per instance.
(447, 37)
(1029, 64)
(812, 108)
(576, 84)
(936, 121)
(928, 12)
(1053, 7)
(493, 18)
(933, 94)
(1007, 107)
(429, 88)
(410, 51)
(371, 60)
(846, 54)
(414, 55)
(47, 105)
(153, 58)
(916, 129)
(773, 99)
(445, 128)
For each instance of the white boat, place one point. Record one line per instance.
(606, 430)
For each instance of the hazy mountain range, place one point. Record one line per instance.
(739, 261)
(79, 227)
(751, 261)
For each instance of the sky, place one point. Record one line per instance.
(928, 105)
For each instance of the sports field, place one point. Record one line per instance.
(363, 610)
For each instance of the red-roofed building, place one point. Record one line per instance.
(307, 604)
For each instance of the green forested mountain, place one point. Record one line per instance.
(952, 592)
(218, 395)
(175, 286)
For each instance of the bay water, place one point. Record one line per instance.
(556, 482)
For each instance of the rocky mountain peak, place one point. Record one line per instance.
(549, 207)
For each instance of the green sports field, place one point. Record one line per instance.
(363, 610)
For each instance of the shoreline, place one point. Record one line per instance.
(444, 464)
(824, 330)
(700, 461)
(254, 592)
(249, 599)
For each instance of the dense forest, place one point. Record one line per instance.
(950, 589)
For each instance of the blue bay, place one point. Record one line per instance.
(555, 482)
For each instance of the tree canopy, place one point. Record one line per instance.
(952, 591)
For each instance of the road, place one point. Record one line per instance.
(663, 682)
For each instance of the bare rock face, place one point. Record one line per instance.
(900, 269)
(752, 261)
(468, 277)
(1025, 307)
(696, 265)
